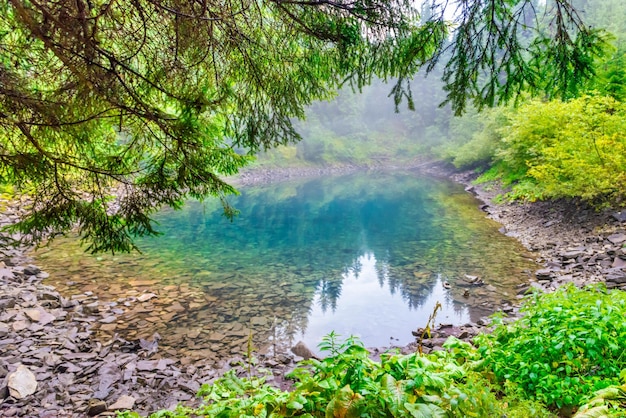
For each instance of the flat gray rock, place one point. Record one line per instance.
(22, 382)
(617, 238)
(124, 402)
(40, 315)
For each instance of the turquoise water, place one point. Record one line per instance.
(364, 254)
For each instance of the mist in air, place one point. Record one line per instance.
(366, 129)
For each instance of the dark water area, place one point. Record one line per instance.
(367, 254)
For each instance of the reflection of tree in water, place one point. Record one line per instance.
(301, 240)
(329, 292)
(355, 268)
(382, 272)
(413, 291)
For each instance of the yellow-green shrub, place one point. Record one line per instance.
(565, 149)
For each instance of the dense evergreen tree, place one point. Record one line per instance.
(611, 70)
(150, 99)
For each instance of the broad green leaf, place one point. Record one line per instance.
(419, 410)
(345, 404)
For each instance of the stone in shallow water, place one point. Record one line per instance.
(22, 382)
(258, 320)
(142, 282)
(108, 327)
(303, 351)
(146, 297)
(154, 319)
(216, 336)
(194, 333)
(108, 319)
(176, 307)
(168, 317)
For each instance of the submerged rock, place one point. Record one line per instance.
(146, 297)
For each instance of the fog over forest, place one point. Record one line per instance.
(365, 128)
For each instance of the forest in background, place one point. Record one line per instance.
(540, 148)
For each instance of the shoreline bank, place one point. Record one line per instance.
(76, 375)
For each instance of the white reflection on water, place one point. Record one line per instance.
(369, 309)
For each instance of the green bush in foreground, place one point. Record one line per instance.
(568, 349)
(567, 345)
(606, 402)
(349, 384)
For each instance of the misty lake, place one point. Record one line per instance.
(367, 254)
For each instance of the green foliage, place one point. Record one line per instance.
(349, 384)
(566, 350)
(231, 396)
(411, 385)
(178, 412)
(362, 128)
(136, 105)
(109, 111)
(561, 149)
(610, 401)
(586, 157)
(474, 138)
(566, 345)
(554, 149)
(611, 75)
(557, 59)
(610, 78)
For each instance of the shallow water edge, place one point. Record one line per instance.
(366, 254)
(573, 244)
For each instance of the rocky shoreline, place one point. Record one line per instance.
(51, 365)
(574, 242)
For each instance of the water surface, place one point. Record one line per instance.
(368, 254)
